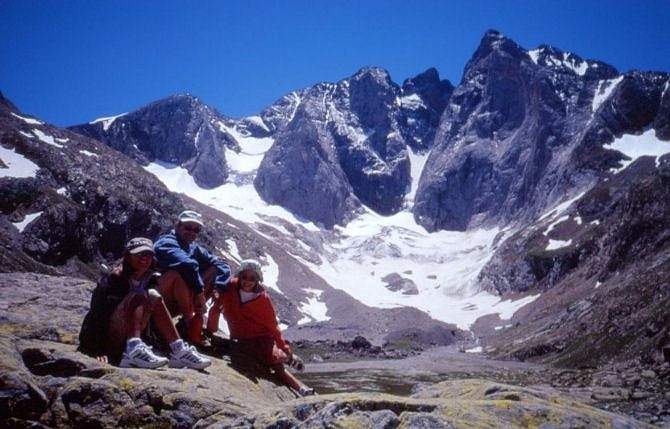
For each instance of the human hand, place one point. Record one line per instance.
(102, 359)
(296, 363)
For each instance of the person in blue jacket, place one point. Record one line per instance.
(190, 273)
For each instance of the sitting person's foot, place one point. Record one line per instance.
(186, 356)
(141, 356)
(306, 391)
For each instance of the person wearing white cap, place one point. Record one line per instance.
(121, 307)
(252, 322)
(190, 272)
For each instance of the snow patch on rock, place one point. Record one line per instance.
(17, 164)
(603, 92)
(558, 244)
(636, 146)
(30, 121)
(28, 218)
(107, 121)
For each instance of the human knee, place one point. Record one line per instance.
(170, 277)
(154, 297)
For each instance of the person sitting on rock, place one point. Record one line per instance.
(122, 305)
(190, 273)
(252, 323)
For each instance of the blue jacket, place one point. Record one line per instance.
(190, 261)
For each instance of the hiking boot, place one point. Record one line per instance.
(142, 357)
(306, 391)
(188, 357)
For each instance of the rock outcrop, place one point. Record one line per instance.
(46, 383)
(452, 404)
(526, 128)
(179, 130)
(605, 285)
(346, 145)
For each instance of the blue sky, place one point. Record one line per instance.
(69, 62)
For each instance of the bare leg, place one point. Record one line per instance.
(287, 378)
(180, 298)
(162, 319)
(214, 315)
(138, 317)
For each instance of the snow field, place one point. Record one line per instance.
(443, 265)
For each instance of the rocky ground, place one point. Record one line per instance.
(628, 388)
(45, 382)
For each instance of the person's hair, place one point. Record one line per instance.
(126, 268)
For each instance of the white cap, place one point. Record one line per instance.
(190, 216)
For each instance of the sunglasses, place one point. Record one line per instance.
(145, 254)
(190, 228)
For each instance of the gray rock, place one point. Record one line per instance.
(179, 130)
(346, 144)
(395, 282)
(519, 134)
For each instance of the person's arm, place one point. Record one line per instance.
(206, 259)
(171, 256)
(268, 318)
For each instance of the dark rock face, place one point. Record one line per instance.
(605, 293)
(179, 130)
(90, 200)
(424, 99)
(347, 142)
(282, 176)
(282, 111)
(522, 130)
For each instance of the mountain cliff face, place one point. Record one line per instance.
(604, 289)
(525, 128)
(346, 145)
(179, 130)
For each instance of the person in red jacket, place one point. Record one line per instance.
(252, 322)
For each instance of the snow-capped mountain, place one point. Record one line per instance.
(352, 140)
(178, 130)
(397, 204)
(69, 203)
(526, 128)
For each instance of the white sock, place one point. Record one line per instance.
(177, 345)
(132, 343)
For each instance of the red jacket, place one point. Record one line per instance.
(252, 319)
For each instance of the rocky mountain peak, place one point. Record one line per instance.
(494, 47)
(372, 94)
(430, 88)
(179, 129)
(5, 104)
(523, 128)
